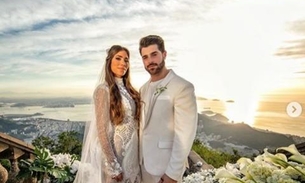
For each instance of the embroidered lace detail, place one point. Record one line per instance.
(105, 131)
(126, 134)
(119, 143)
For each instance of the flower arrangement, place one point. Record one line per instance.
(265, 168)
(160, 89)
(46, 167)
(204, 176)
(66, 166)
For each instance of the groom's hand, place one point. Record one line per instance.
(166, 179)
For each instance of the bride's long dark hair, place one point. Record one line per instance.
(116, 106)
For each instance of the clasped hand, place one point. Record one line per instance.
(118, 178)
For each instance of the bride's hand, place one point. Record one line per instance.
(119, 177)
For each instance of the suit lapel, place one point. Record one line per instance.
(154, 96)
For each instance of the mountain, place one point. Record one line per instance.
(225, 136)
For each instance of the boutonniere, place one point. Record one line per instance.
(160, 90)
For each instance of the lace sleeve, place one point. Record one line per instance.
(101, 100)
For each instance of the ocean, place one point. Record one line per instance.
(77, 113)
(270, 116)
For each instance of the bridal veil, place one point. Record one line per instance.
(90, 169)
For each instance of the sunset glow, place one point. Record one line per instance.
(229, 49)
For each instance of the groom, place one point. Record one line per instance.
(169, 119)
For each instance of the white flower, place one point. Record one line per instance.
(74, 166)
(244, 163)
(160, 89)
(296, 155)
(199, 164)
(223, 173)
(265, 168)
(61, 160)
(203, 176)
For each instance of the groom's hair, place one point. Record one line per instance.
(151, 40)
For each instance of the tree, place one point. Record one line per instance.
(44, 142)
(68, 142)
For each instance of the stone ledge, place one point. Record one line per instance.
(13, 148)
(196, 163)
(11, 141)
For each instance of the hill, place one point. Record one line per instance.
(28, 128)
(226, 136)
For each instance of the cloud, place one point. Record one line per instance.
(66, 41)
(294, 48)
(27, 14)
(25, 67)
(298, 27)
(43, 40)
(81, 31)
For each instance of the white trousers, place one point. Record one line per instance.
(149, 178)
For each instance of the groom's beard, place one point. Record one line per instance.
(155, 70)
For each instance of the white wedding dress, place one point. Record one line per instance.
(109, 149)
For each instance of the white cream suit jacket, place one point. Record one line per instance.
(168, 128)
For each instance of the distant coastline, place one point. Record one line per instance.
(59, 105)
(213, 130)
(80, 112)
(20, 105)
(271, 116)
(24, 102)
(20, 115)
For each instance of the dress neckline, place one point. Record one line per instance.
(119, 81)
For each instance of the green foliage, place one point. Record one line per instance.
(61, 175)
(67, 142)
(6, 164)
(213, 157)
(64, 173)
(40, 167)
(48, 167)
(44, 142)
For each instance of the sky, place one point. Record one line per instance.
(229, 49)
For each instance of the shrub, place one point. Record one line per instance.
(213, 157)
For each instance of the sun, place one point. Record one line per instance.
(242, 111)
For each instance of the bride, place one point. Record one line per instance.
(110, 149)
